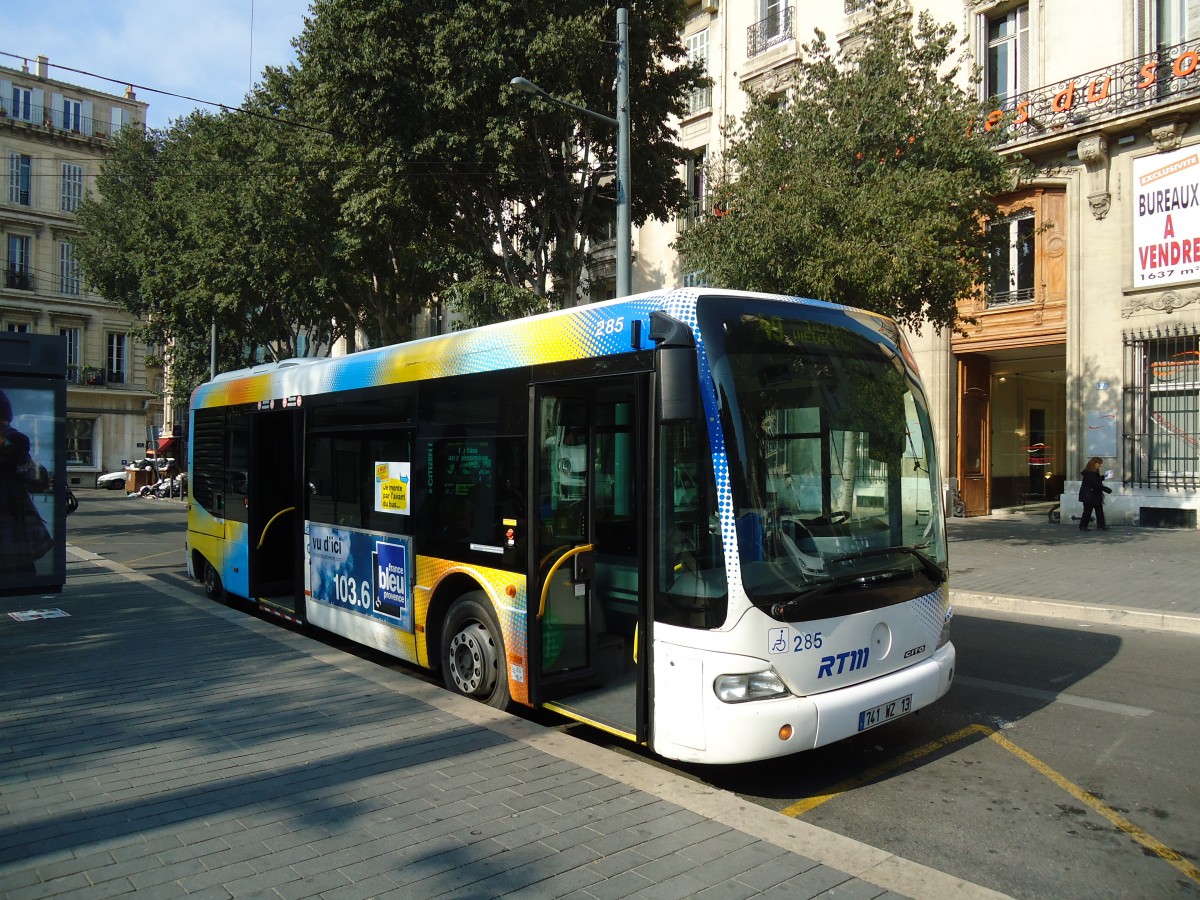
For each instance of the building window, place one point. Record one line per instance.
(19, 172)
(1162, 408)
(774, 25)
(69, 281)
(72, 186)
(1006, 69)
(17, 327)
(697, 185)
(18, 270)
(81, 442)
(71, 335)
(1011, 261)
(116, 357)
(21, 104)
(1172, 20)
(72, 115)
(695, 279)
(697, 50)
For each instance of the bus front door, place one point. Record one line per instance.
(275, 510)
(587, 605)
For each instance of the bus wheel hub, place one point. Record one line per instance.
(472, 658)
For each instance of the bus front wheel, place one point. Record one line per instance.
(473, 660)
(213, 589)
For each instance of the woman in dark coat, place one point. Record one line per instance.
(1091, 494)
(23, 535)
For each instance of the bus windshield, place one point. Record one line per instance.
(831, 462)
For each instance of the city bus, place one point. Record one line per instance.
(706, 521)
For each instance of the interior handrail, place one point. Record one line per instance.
(582, 548)
(271, 522)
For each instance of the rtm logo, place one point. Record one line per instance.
(857, 658)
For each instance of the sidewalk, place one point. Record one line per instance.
(1016, 561)
(153, 741)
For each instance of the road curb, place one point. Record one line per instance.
(1182, 623)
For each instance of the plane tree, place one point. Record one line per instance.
(416, 95)
(866, 184)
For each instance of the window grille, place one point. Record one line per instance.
(1161, 407)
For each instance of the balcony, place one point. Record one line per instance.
(766, 33)
(91, 376)
(1143, 85)
(19, 278)
(45, 120)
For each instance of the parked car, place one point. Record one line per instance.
(113, 481)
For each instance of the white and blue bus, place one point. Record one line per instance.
(706, 521)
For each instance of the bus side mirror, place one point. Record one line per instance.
(676, 366)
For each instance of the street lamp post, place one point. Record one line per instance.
(621, 123)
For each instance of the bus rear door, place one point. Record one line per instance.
(587, 605)
(275, 502)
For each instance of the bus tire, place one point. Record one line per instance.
(213, 589)
(473, 658)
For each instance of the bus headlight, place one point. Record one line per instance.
(752, 686)
(944, 637)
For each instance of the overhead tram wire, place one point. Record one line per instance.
(532, 169)
(142, 87)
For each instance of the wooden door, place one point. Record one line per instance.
(975, 434)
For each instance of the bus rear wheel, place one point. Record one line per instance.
(473, 660)
(213, 589)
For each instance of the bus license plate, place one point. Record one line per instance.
(884, 712)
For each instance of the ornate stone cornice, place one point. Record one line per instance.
(1167, 302)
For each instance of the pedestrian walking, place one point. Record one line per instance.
(1091, 494)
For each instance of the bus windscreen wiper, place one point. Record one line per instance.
(935, 572)
(786, 610)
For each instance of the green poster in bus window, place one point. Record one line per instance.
(391, 487)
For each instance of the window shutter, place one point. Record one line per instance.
(38, 113)
(86, 125)
(58, 111)
(1022, 49)
(6, 97)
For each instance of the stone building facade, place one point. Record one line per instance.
(53, 137)
(1086, 340)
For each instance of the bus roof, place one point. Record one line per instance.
(595, 330)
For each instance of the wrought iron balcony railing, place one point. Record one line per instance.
(19, 278)
(768, 32)
(47, 119)
(996, 299)
(1144, 82)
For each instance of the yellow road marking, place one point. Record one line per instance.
(1159, 849)
(803, 806)
(176, 552)
(1155, 846)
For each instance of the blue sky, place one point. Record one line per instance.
(204, 49)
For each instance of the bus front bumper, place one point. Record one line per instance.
(707, 730)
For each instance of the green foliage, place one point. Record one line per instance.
(219, 220)
(417, 91)
(390, 168)
(483, 300)
(869, 187)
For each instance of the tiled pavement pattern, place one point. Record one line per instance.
(156, 743)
